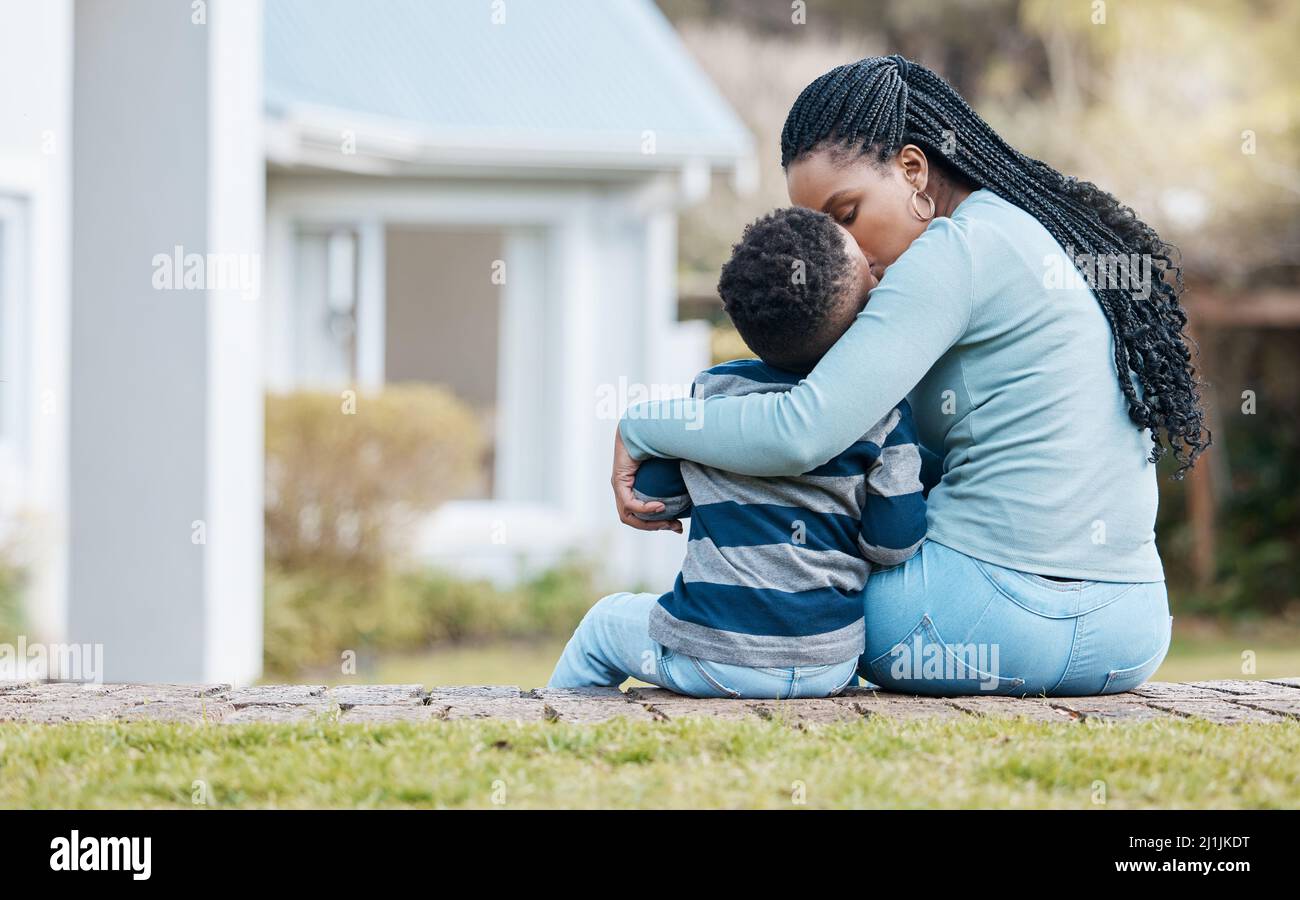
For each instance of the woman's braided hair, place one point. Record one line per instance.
(879, 104)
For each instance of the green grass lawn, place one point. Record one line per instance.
(704, 763)
(524, 663)
(1203, 650)
(701, 763)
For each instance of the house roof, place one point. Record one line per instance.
(570, 83)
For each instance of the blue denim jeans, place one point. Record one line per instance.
(945, 624)
(613, 642)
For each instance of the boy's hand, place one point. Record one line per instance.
(628, 506)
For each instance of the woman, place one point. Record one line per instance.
(1049, 402)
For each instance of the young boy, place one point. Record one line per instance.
(769, 600)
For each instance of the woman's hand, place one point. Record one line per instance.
(628, 505)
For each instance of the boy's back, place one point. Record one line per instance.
(769, 599)
(775, 567)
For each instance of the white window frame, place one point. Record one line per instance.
(14, 344)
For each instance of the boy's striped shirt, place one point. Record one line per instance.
(775, 567)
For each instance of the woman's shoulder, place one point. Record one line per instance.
(1007, 246)
(977, 219)
(987, 246)
(989, 221)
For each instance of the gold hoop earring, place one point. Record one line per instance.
(916, 210)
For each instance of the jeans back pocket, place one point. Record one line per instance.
(923, 663)
(1053, 599)
(1120, 680)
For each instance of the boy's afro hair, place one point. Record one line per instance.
(784, 279)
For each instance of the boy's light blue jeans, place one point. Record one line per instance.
(613, 642)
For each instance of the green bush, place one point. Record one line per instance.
(1258, 527)
(13, 587)
(1256, 480)
(342, 490)
(313, 616)
(346, 477)
(12, 583)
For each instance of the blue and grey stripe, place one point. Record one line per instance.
(775, 567)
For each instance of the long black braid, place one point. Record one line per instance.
(879, 104)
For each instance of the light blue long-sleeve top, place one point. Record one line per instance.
(1009, 365)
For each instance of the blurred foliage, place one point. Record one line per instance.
(347, 477)
(16, 566)
(1255, 461)
(1160, 106)
(343, 491)
(12, 585)
(313, 616)
(1150, 104)
(726, 344)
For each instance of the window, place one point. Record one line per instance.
(13, 330)
(325, 308)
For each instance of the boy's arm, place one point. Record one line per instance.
(893, 511)
(931, 469)
(661, 479)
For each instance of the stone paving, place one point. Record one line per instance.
(1223, 702)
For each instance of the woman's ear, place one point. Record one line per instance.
(915, 165)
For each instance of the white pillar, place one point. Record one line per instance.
(575, 247)
(525, 432)
(165, 443)
(372, 337)
(657, 561)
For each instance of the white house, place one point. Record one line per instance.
(481, 194)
